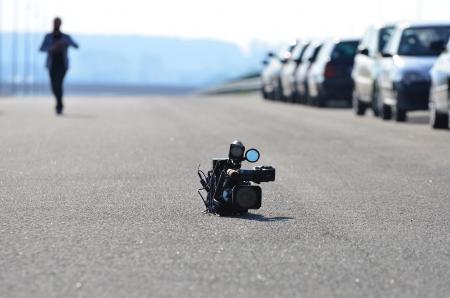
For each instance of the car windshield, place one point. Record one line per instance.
(418, 41)
(385, 34)
(297, 51)
(315, 53)
(303, 52)
(345, 50)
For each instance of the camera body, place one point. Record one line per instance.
(230, 189)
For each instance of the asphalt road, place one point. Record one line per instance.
(102, 202)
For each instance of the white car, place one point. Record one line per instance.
(439, 94)
(404, 80)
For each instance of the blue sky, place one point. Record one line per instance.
(238, 21)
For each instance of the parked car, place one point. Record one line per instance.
(266, 89)
(330, 75)
(404, 80)
(301, 74)
(367, 68)
(270, 76)
(276, 76)
(439, 94)
(288, 72)
(271, 64)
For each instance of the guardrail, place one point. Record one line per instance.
(246, 85)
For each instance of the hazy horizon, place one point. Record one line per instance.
(131, 60)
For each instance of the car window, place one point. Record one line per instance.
(305, 48)
(325, 51)
(345, 50)
(316, 53)
(417, 41)
(383, 38)
(308, 53)
(297, 51)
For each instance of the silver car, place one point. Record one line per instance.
(404, 80)
(367, 68)
(301, 74)
(439, 94)
(270, 76)
(266, 75)
(288, 72)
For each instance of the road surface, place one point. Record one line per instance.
(102, 202)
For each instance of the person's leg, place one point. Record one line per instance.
(53, 83)
(57, 74)
(59, 91)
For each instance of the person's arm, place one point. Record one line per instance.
(46, 44)
(72, 42)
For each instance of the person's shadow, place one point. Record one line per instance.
(79, 116)
(262, 218)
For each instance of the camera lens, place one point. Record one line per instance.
(247, 197)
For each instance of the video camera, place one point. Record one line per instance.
(230, 189)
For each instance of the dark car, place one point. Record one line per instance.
(301, 74)
(367, 68)
(330, 75)
(440, 86)
(404, 79)
(288, 72)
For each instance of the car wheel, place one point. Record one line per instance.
(264, 94)
(277, 94)
(358, 107)
(385, 112)
(375, 107)
(400, 115)
(295, 98)
(438, 120)
(321, 101)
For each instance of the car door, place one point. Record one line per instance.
(362, 71)
(388, 68)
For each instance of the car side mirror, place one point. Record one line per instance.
(364, 52)
(386, 55)
(438, 46)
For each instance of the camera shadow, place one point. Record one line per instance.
(262, 218)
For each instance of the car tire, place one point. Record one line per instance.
(386, 112)
(295, 97)
(374, 104)
(264, 94)
(400, 115)
(320, 101)
(277, 94)
(438, 120)
(358, 107)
